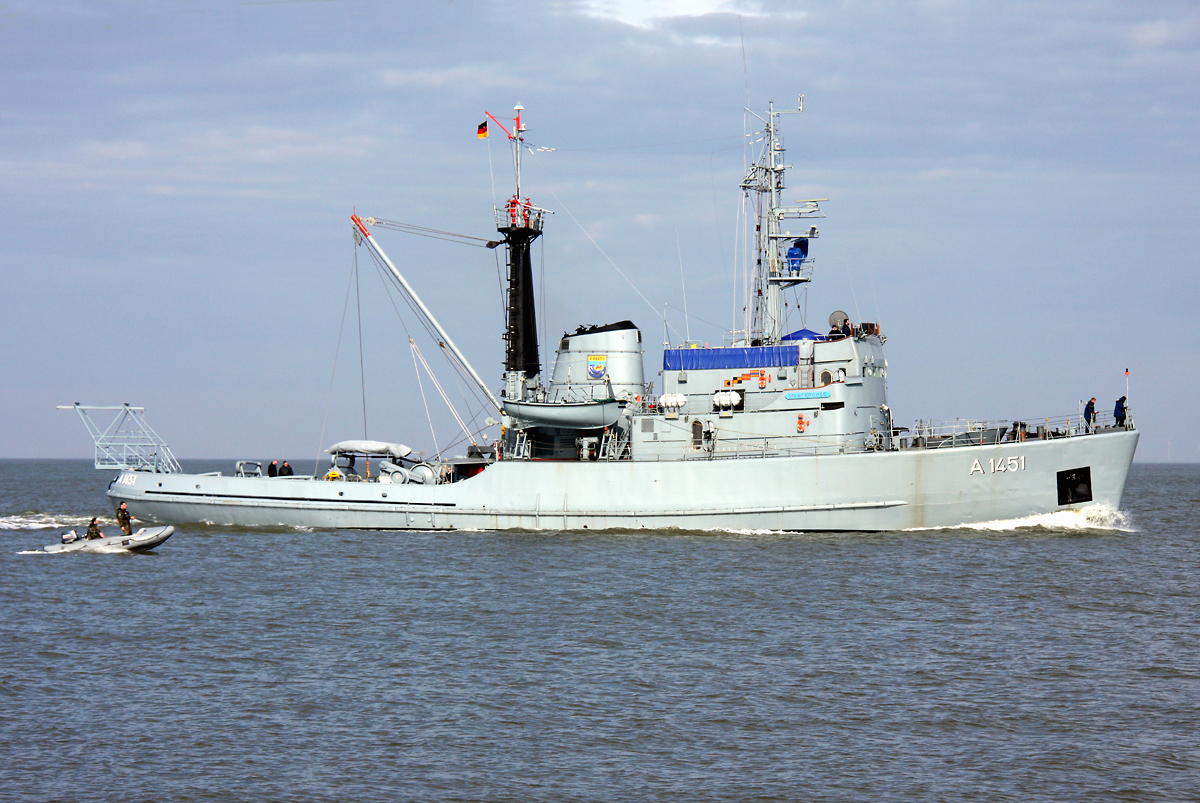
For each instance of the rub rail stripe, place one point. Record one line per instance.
(570, 514)
(339, 501)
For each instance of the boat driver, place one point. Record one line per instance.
(93, 530)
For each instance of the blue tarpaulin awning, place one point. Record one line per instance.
(760, 357)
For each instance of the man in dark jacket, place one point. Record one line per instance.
(1089, 414)
(125, 520)
(273, 470)
(286, 470)
(1119, 412)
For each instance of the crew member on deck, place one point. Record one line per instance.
(273, 469)
(839, 326)
(93, 531)
(125, 520)
(1089, 414)
(845, 330)
(1119, 412)
(285, 470)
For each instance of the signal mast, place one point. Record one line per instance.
(782, 255)
(520, 222)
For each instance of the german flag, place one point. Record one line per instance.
(482, 133)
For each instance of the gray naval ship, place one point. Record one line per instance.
(772, 430)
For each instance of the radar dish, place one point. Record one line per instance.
(836, 319)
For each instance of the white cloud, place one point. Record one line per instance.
(646, 13)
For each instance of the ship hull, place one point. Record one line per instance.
(874, 491)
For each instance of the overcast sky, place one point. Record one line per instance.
(1013, 196)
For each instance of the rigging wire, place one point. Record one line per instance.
(500, 281)
(362, 375)
(878, 317)
(687, 324)
(745, 69)
(737, 256)
(854, 294)
(696, 317)
(745, 215)
(641, 147)
(437, 449)
(384, 276)
(433, 378)
(437, 234)
(542, 282)
(712, 177)
(457, 368)
(491, 172)
(610, 261)
(333, 374)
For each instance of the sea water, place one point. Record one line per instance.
(1051, 659)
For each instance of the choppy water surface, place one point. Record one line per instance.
(1052, 662)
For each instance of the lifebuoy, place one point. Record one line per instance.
(762, 381)
(801, 423)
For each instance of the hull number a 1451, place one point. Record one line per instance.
(1014, 463)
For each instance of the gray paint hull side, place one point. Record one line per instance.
(868, 492)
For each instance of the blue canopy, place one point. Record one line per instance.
(805, 334)
(757, 357)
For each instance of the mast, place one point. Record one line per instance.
(520, 222)
(781, 255)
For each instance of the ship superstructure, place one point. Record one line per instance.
(771, 430)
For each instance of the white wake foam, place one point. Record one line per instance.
(47, 521)
(1093, 517)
